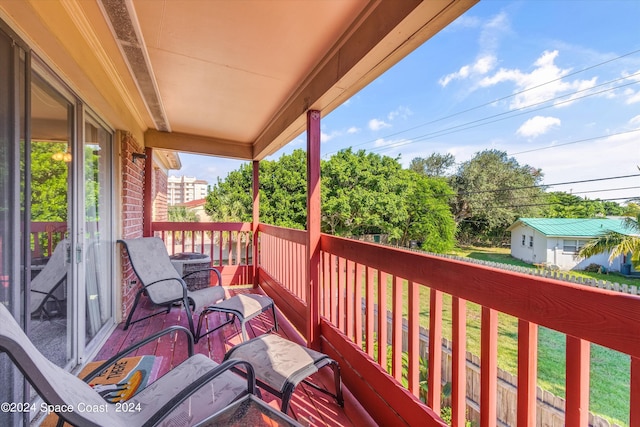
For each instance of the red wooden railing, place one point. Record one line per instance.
(359, 277)
(229, 245)
(282, 268)
(45, 236)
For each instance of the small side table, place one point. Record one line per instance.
(249, 411)
(188, 262)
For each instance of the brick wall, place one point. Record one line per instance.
(132, 214)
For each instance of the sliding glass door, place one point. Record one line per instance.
(51, 296)
(97, 226)
(56, 237)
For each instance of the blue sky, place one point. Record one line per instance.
(555, 84)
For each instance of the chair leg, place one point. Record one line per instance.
(187, 309)
(244, 329)
(338, 383)
(135, 304)
(275, 319)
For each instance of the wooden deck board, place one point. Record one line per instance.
(309, 406)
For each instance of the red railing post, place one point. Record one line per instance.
(313, 228)
(256, 218)
(147, 195)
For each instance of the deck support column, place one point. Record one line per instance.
(256, 219)
(147, 195)
(313, 229)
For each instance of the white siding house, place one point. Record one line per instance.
(556, 241)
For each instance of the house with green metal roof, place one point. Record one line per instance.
(557, 241)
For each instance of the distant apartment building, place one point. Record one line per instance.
(183, 189)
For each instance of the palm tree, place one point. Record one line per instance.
(617, 243)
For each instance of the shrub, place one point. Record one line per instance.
(593, 268)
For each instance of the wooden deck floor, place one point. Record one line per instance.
(310, 407)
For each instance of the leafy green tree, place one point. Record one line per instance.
(565, 205)
(492, 191)
(181, 214)
(436, 165)
(632, 209)
(48, 182)
(429, 216)
(618, 243)
(361, 194)
(230, 200)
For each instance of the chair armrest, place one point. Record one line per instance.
(180, 281)
(201, 381)
(215, 270)
(139, 344)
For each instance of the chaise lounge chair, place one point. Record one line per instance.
(164, 286)
(45, 284)
(197, 384)
(162, 283)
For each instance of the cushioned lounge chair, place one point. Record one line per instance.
(198, 383)
(164, 286)
(47, 282)
(162, 283)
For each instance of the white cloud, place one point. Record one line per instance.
(633, 97)
(402, 112)
(537, 126)
(492, 32)
(353, 130)
(465, 21)
(390, 145)
(543, 83)
(375, 124)
(635, 120)
(326, 137)
(482, 66)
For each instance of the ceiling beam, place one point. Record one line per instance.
(197, 144)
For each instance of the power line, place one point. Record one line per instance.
(548, 185)
(507, 97)
(575, 142)
(509, 114)
(573, 203)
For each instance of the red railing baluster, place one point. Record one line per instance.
(459, 365)
(370, 277)
(435, 350)
(396, 338)
(358, 305)
(488, 367)
(382, 319)
(349, 306)
(634, 398)
(414, 338)
(527, 372)
(577, 389)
